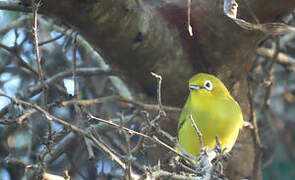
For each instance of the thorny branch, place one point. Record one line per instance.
(50, 117)
(129, 155)
(100, 100)
(38, 57)
(40, 69)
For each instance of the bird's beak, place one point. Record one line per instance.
(193, 87)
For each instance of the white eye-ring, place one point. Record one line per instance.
(208, 85)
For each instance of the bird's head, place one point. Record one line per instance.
(207, 84)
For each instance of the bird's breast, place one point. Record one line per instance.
(215, 115)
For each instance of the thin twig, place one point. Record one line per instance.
(191, 157)
(38, 57)
(60, 146)
(256, 137)
(74, 69)
(156, 139)
(129, 155)
(130, 131)
(189, 27)
(151, 125)
(62, 75)
(184, 166)
(161, 113)
(88, 102)
(274, 58)
(151, 107)
(12, 160)
(88, 48)
(40, 70)
(218, 144)
(159, 78)
(91, 155)
(49, 176)
(26, 115)
(22, 62)
(53, 39)
(77, 94)
(116, 125)
(197, 131)
(138, 145)
(276, 128)
(100, 100)
(253, 118)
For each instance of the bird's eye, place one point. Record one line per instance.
(208, 85)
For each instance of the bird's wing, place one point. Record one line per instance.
(183, 117)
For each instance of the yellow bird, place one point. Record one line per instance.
(214, 112)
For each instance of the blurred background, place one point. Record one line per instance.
(30, 140)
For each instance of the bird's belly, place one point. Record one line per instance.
(210, 125)
(224, 125)
(225, 132)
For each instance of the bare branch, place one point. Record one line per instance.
(117, 126)
(40, 69)
(149, 106)
(281, 57)
(62, 75)
(159, 78)
(50, 117)
(15, 6)
(53, 39)
(23, 63)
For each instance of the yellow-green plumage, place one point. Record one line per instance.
(215, 113)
